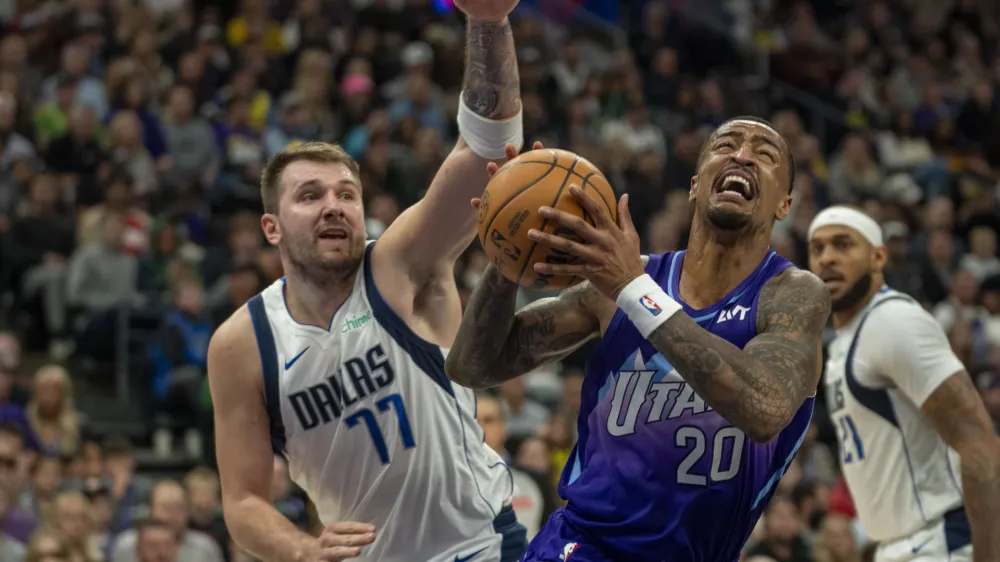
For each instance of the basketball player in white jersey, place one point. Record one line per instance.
(916, 445)
(339, 366)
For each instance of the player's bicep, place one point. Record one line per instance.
(242, 435)
(909, 347)
(957, 412)
(793, 310)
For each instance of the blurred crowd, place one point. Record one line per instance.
(133, 133)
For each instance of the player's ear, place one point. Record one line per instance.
(694, 187)
(879, 258)
(784, 207)
(272, 230)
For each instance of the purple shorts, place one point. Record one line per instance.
(558, 541)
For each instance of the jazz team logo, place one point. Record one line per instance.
(650, 305)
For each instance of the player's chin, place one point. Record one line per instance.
(727, 215)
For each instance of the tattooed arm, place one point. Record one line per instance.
(429, 236)
(957, 411)
(494, 344)
(759, 388)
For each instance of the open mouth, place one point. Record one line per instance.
(832, 279)
(736, 185)
(333, 233)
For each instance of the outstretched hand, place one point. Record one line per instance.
(608, 255)
(510, 151)
(487, 10)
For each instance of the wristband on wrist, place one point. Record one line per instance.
(486, 137)
(646, 304)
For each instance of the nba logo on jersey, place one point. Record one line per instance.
(569, 548)
(651, 306)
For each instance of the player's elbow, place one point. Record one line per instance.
(762, 434)
(466, 373)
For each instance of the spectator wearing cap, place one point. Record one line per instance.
(901, 273)
(293, 125)
(75, 61)
(417, 59)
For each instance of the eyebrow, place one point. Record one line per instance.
(757, 137)
(316, 183)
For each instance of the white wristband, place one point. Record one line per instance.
(646, 304)
(487, 137)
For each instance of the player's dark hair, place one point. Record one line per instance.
(766, 123)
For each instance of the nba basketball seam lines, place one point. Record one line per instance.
(541, 227)
(516, 194)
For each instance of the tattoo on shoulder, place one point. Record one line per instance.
(795, 301)
(491, 87)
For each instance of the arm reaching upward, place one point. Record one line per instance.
(494, 344)
(428, 238)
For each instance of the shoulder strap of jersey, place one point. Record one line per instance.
(875, 399)
(269, 367)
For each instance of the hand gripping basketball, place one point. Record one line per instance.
(341, 541)
(608, 255)
(491, 168)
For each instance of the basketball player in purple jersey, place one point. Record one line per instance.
(702, 386)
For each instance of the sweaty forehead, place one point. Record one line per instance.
(747, 127)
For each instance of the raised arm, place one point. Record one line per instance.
(246, 460)
(431, 234)
(494, 344)
(957, 411)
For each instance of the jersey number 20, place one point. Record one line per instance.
(391, 402)
(693, 437)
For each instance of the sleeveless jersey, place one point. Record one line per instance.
(375, 432)
(657, 474)
(882, 366)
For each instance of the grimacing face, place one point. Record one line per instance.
(742, 178)
(846, 262)
(319, 226)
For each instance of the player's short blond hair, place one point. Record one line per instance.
(322, 152)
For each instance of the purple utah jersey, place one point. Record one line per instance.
(657, 474)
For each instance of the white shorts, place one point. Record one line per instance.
(947, 540)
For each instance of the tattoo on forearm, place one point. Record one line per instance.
(961, 419)
(757, 389)
(495, 345)
(491, 87)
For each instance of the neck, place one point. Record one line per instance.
(713, 266)
(314, 303)
(842, 317)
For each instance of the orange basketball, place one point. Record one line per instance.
(510, 208)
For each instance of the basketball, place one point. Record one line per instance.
(509, 209)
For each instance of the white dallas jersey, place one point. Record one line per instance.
(882, 366)
(375, 432)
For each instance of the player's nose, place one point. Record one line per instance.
(744, 156)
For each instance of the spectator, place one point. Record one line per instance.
(836, 541)
(51, 413)
(46, 481)
(70, 518)
(11, 550)
(15, 522)
(49, 546)
(156, 542)
(783, 539)
(204, 493)
(167, 503)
